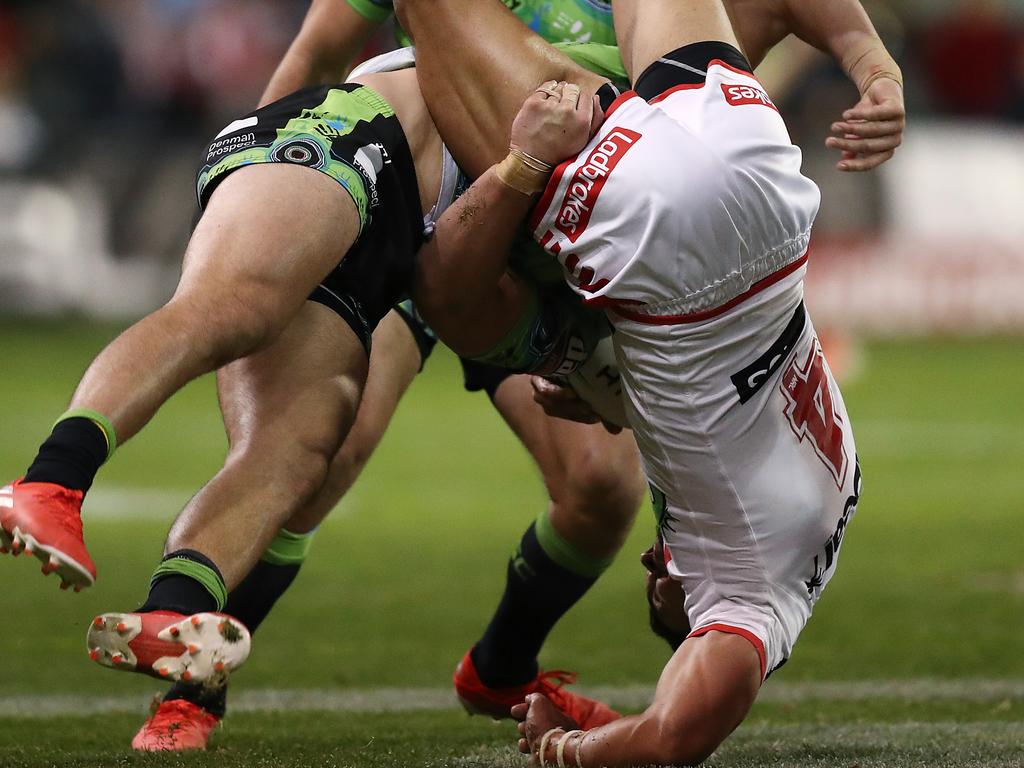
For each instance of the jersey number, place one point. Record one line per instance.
(812, 412)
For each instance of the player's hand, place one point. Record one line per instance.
(563, 403)
(869, 133)
(555, 122)
(536, 716)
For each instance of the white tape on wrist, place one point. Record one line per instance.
(544, 744)
(560, 749)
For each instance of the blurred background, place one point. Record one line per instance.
(917, 283)
(105, 105)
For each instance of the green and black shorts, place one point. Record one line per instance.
(350, 133)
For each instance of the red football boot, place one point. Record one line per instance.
(175, 726)
(478, 699)
(202, 648)
(45, 520)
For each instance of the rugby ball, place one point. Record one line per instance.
(598, 382)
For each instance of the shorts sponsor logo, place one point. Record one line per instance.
(812, 413)
(230, 144)
(369, 160)
(740, 95)
(239, 125)
(751, 380)
(823, 562)
(300, 152)
(589, 179)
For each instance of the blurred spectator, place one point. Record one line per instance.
(117, 97)
(973, 59)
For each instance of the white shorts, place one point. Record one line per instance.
(751, 458)
(688, 218)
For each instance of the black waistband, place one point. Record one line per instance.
(687, 66)
(607, 94)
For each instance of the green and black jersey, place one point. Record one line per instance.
(557, 21)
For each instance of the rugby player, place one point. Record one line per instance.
(593, 478)
(501, 668)
(289, 400)
(686, 218)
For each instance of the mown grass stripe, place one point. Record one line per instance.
(438, 699)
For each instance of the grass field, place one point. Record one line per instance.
(913, 657)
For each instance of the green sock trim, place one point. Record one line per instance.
(288, 548)
(206, 576)
(99, 420)
(565, 554)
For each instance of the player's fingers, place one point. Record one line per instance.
(546, 90)
(570, 96)
(868, 129)
(863, 146)
(518, 712)
(596, 115)
(545, 391)
(887, 110)
(865, 163)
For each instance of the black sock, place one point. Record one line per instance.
(71, 456)
(213, 700)
(250, 602)
(185, 582)
(538, 592)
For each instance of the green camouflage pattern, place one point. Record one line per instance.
(315, 127)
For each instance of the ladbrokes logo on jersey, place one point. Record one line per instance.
(738, 95)
(588, 181)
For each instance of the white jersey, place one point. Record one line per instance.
(687, 217)
(680, 205)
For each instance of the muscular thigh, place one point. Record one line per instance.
(269, 235)
(648, 29)
(592, 477)
(395, 358)
(477, 63)
(304, 389)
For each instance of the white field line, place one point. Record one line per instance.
(119, 503)
(124, 503)
(880, 439)
(439, 699)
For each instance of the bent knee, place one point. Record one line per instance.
(297, 466)
(228, 325)
(596, 483)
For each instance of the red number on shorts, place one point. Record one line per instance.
(812, 413)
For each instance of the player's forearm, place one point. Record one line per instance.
(463, 286)
(650, 738)
(704, 692)
(331, 37)
(631, 741)
(469, 252)
(843, 29)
